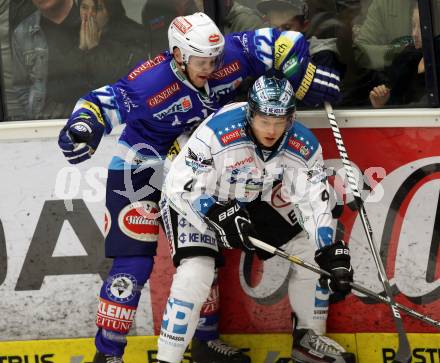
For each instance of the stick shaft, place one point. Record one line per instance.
(404, 352)
(298, 261)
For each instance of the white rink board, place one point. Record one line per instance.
(64, 306)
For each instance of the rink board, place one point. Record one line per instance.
(262, 348)
(52, 242)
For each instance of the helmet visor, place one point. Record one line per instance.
(202, 64)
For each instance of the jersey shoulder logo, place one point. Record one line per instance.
(297, 144)
(231, 136)
(198, 162)
(149, 64)
(301, 141)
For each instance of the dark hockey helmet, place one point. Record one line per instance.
(271, 96)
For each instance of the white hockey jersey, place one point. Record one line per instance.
(221, 162)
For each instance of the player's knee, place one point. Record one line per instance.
(194, 277)
(126, 279)
(140, 267)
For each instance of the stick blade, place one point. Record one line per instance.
(403, 354)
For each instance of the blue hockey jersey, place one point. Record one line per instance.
(157, 102)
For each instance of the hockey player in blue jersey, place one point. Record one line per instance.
(219, 190)
(157, 101)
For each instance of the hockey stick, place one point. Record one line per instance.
(404, 351)
(296, 260)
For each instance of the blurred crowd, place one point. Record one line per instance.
(54, 51)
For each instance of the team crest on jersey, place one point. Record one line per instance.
(121, 287)
(199, 163)
(299, 146)
(151, 63)
(317, 173)
(183, 104)
(163, 95)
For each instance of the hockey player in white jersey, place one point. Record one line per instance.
(221, 188)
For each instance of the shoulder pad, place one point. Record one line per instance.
(301, 141)
(228, 124)
(146, 66)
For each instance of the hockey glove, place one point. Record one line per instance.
(79, 139)
(231, 224)
(336, 260)
(319, 84)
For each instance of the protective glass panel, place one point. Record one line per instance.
(436, 31)
(54, 52)
(374, 44)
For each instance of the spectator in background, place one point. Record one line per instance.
(200, 5)
(295, 15)
(156, 17)
(49, 71)
(248, 3)
(286, 15)
(111, 42)
(18, 11)
(384, 34)
(11, 14)
(404, 80)
(157, 14)
(325, 16)
(240, 18)
(378, 38)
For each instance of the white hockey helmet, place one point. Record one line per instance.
(196, 35)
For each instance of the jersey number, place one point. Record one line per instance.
(188, 186)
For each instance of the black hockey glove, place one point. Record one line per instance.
(336, 260)
(231, 224)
